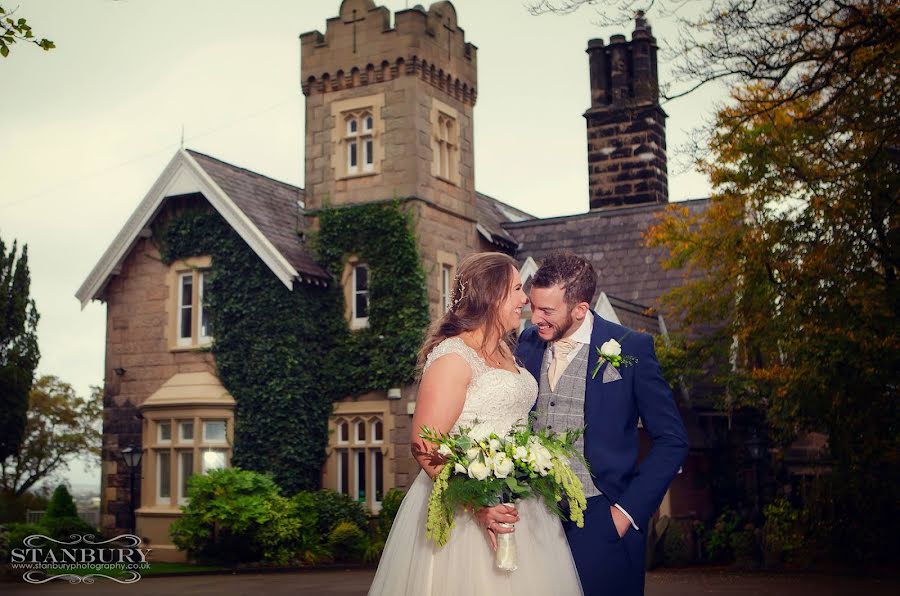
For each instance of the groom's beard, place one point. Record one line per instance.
(560, 331)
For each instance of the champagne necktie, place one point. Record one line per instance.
(561, 350)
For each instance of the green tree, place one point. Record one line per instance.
(60, 425)
(61, 504)
(15, 29)
(19, 353)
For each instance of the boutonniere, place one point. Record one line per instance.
(611, 351)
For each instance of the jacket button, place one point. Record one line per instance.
(552, 403)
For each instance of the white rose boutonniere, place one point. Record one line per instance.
(611, 351)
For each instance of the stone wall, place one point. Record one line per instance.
(136, 343)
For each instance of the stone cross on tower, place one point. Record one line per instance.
(354, 21)
(449, 36)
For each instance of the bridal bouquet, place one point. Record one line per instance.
(482, 469)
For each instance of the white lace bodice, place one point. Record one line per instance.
(496, 397)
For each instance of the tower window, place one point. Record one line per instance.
(445, 142)
(357, 136)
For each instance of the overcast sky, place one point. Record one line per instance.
(86, 129)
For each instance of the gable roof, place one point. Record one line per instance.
(611, 239)
(271, 235)
(492, 214)
(272, 206)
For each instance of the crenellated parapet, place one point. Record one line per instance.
(360, 48)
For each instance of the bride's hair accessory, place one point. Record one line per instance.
(459, 292)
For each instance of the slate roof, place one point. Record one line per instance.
(611, 238)
(492, 214)
(271, 205)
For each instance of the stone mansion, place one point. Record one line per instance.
(390, 106)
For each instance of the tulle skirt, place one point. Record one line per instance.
(415, 566)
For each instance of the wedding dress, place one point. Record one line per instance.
(416, 566)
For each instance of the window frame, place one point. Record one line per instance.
(356, 321)
(445, 142)
(357, 132)
(353, 462)
(197, 269)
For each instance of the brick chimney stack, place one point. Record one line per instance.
(626, 127)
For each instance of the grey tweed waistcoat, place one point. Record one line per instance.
(563, 409)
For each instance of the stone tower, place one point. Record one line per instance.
(389, 116)
(626, 127)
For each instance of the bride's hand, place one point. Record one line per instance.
(490, 519)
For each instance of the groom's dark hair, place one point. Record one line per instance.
(574, 273)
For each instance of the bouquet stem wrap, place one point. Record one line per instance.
(507, 557)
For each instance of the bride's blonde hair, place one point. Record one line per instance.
(482, 283)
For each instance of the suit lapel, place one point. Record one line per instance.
(593, 386)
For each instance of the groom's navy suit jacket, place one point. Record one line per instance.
(611, 412)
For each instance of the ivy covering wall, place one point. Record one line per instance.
(383, 355)
(286, 355)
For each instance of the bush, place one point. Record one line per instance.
(16, 533)
(308, 543)
(390, 504)
(347, 542)
(716, 542)
(677, 544)
(61, 504)
(745, 547)
(13, 508)
(236, 516)
(333, 508)
(63, 528)
(782, 535)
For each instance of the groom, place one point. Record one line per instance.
(560, 350)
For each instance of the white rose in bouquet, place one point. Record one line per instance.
(460, 469)
(494, 445)
(479, 470)
(541, 459)
(611, 348)
(503, 466)
(521, 453)
(473, 453)
(445, 451)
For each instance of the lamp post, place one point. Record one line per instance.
(132, 459)
(756, 448)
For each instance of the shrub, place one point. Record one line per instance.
(63, 528)
(390, 504)
(236, 516)
(677, 544)
(308, 542)
(61, 504)
(716, 542)
(347, 542)
(782, 535)
(333, 508)
(745, 547)
(16, 533)
(13, 508)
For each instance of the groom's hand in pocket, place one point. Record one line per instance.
(490, 519)
(621, 522)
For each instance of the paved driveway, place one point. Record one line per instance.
(689, 582)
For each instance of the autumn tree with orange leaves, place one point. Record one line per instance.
(800, 243)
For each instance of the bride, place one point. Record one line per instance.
(469, 373)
